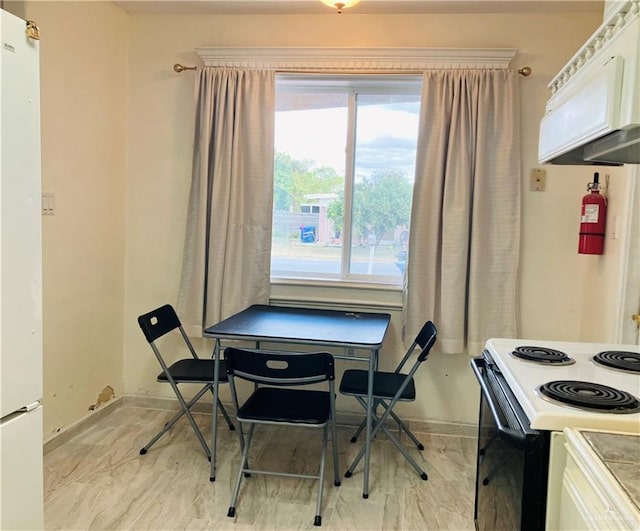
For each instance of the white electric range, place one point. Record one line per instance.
(517, 419)
(524, 378)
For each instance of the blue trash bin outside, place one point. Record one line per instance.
(307, 234)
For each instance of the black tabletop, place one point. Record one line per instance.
(304, 325)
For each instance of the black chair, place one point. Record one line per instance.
(279, 404)
(194, 370)
(389, 388)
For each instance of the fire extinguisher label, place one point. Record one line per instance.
(590, 213)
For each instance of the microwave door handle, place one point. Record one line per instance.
(508, 433)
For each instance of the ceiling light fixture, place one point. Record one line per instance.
(340, 5)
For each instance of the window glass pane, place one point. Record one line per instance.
(343, 177)
(310, 136)
(385, 153)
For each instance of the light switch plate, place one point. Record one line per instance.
(48, 204)
(538, 180)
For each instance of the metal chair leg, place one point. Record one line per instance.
(404, 452)
(336, 464)
(224, 412)
(185, 407)
(226, 416)
(362, 426)
(243, 468)
(403, 427)
(379, 425)
(318, 518)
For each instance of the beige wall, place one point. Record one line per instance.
(117, 136)
(84, 107)
(565, 295)
(601, 285)
(159, 165)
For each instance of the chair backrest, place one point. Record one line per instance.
(158, 322)
(425, 339)
(279, 367)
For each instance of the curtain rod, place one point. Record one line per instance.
(181, 68)
(525, 71)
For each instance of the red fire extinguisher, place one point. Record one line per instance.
(593, 219)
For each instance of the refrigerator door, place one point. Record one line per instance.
(21, 467)
(21, 481)
(20, 219)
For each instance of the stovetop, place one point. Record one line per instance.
(524, 377)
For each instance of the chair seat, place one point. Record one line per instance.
(385, 384)
(295, 406)
(195, 370)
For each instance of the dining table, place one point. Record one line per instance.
(357, 336)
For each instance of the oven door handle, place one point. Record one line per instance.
(508, 433)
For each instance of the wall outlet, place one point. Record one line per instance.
(538, 180)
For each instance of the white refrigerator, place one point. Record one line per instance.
(21, 470)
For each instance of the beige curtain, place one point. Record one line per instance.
(226, 262)
(464, 242)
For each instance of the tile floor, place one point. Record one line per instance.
(98, 480)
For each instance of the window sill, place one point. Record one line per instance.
(335, 283)
(337, 295)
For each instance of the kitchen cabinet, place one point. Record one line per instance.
(594, 483)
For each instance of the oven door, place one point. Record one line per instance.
(512, 460)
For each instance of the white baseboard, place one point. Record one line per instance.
(87, 421)
(171, 404)
(343, 418)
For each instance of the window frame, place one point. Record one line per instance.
(353, 85)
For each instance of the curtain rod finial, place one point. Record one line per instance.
(181, 68)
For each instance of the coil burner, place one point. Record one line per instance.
(590, 396)
(542, 355)
(620, 360)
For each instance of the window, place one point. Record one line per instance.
(345, 149)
